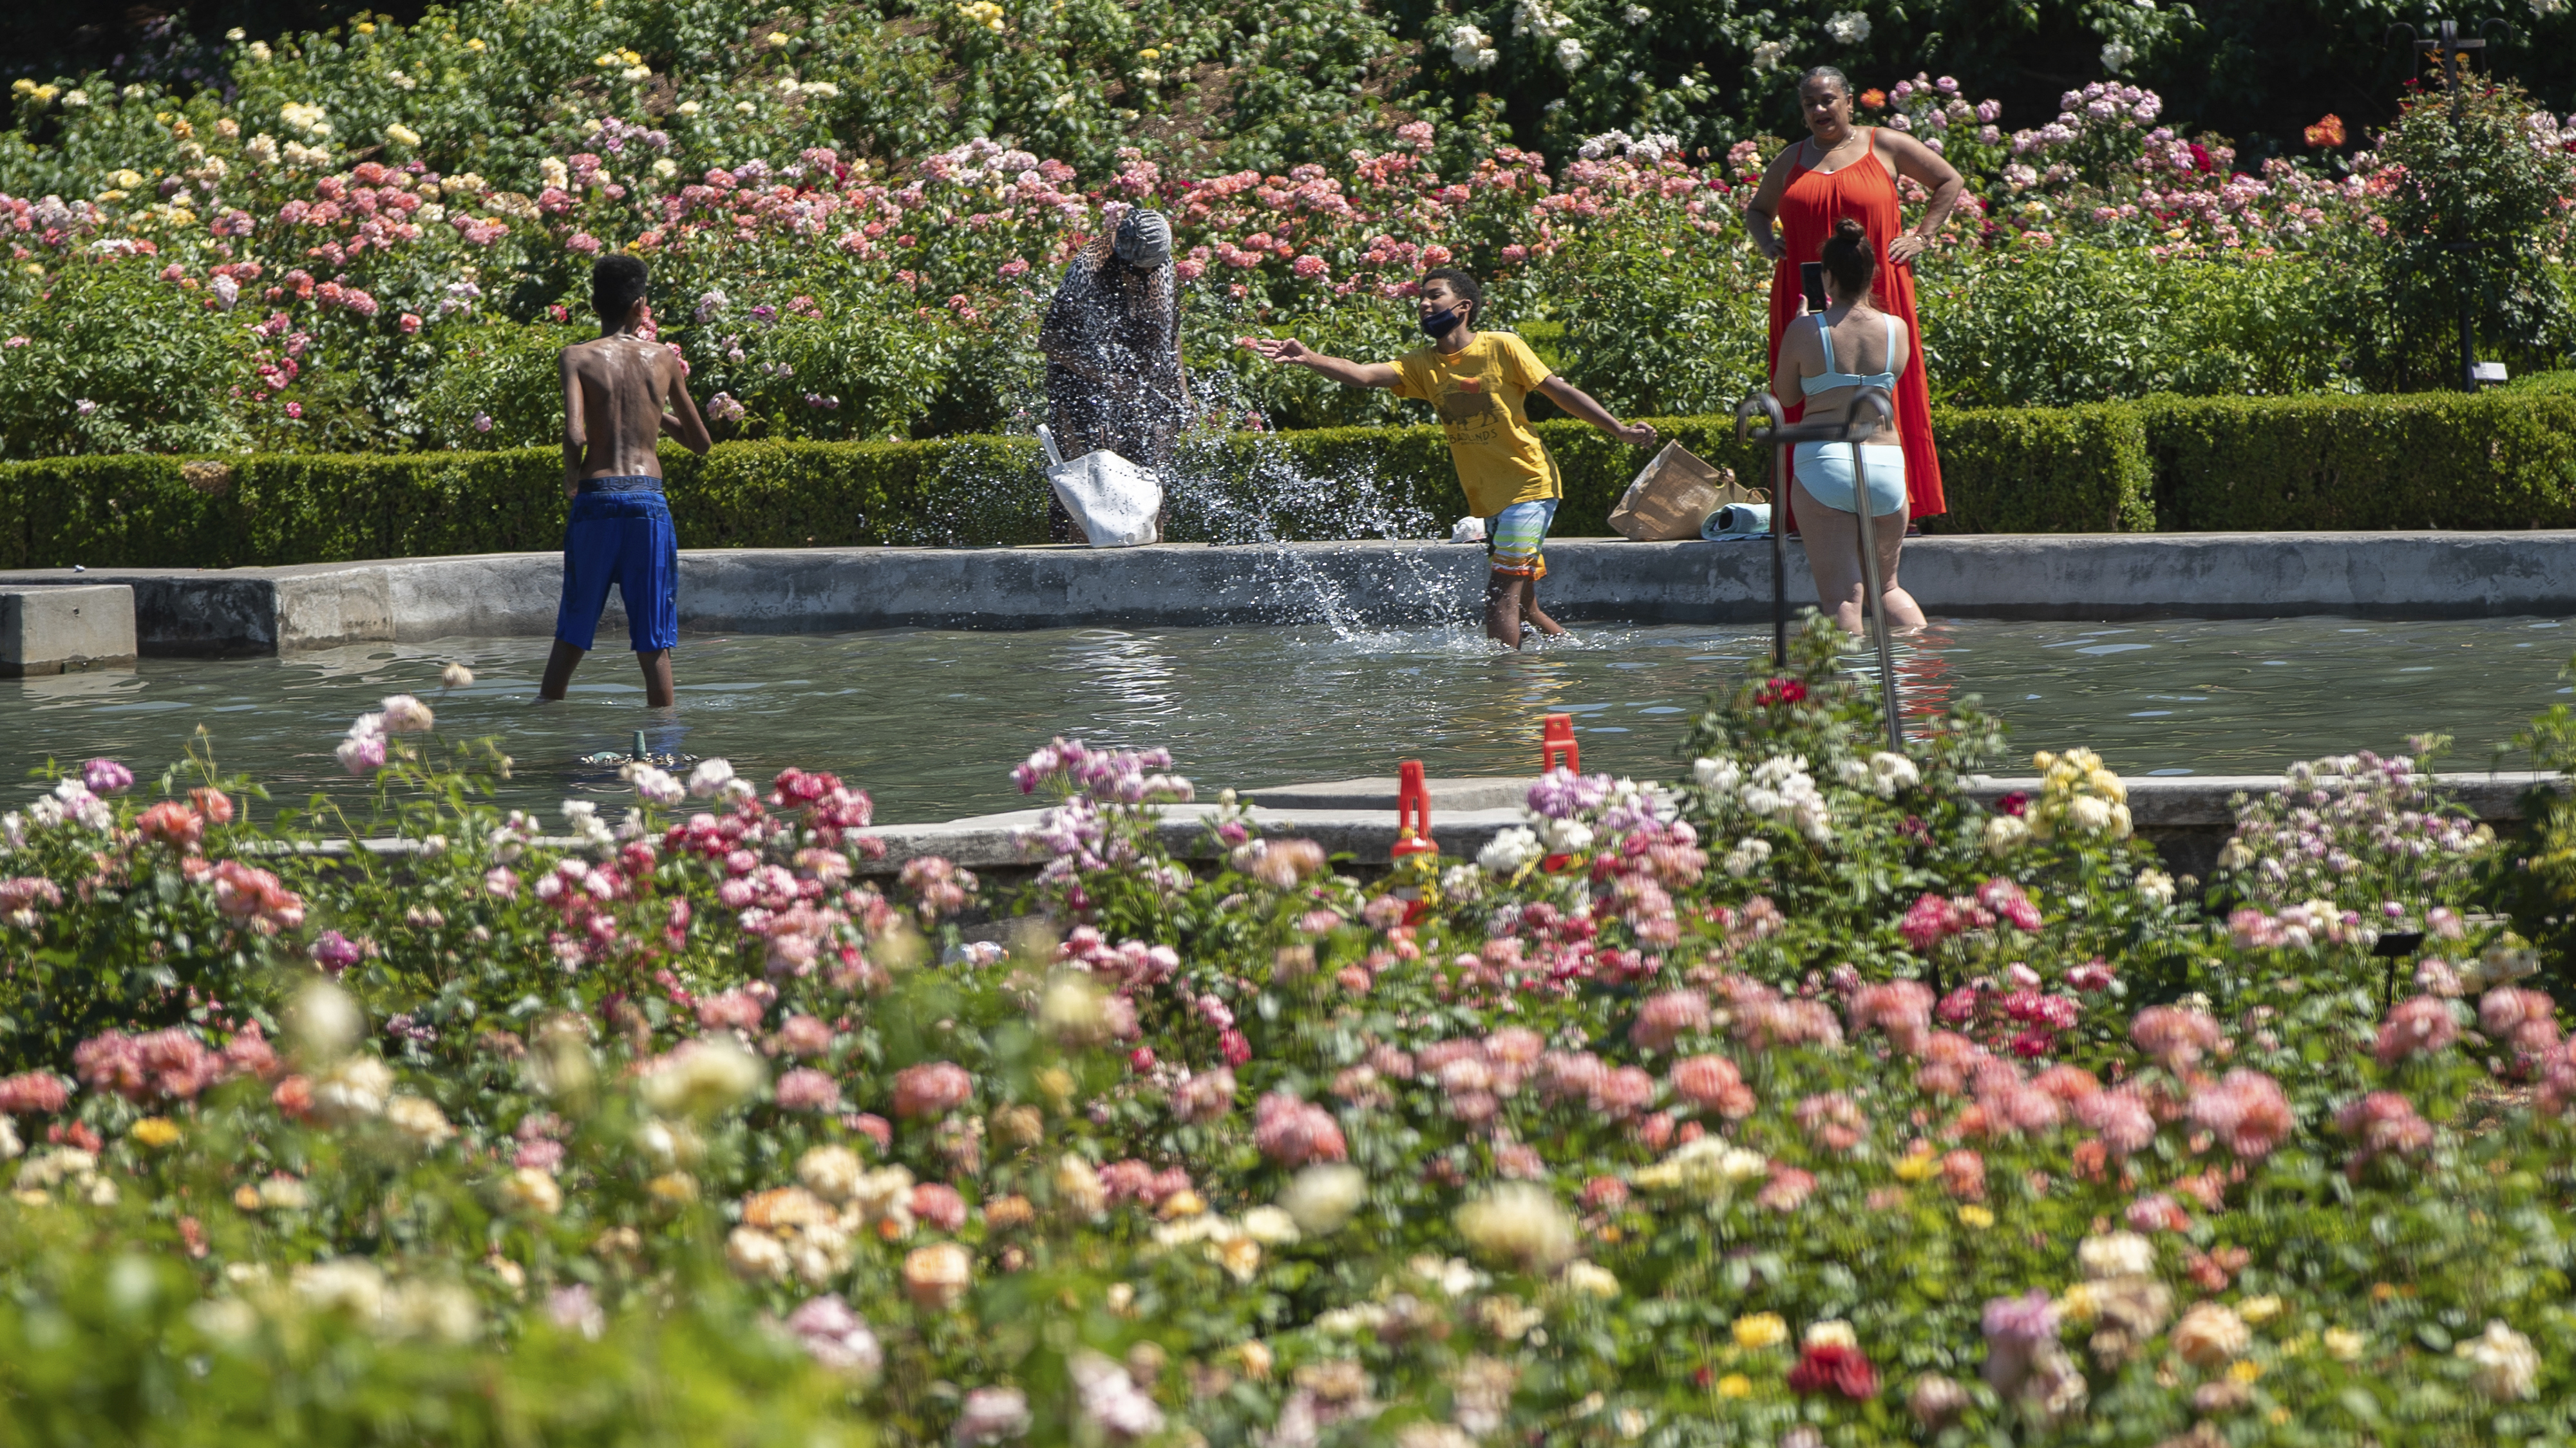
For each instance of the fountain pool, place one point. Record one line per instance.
(931, 720)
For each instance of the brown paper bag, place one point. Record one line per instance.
(1672, 496)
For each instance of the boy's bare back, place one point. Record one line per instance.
(621, 394)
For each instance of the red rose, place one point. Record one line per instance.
(1831, 1366)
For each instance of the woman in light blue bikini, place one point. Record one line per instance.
(1822, 489)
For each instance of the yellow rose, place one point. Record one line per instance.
(1239, 1256)
(2245, 1370)
(1735, 1385)
(155, 1132)
(2344, 1345)
(1917, 1166)
(2082, 1303)
(1760, 1330)
(2259, 1310)
(1976, 1216)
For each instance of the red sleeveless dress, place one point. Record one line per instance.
(1814, 202)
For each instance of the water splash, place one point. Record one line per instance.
(1253, 489)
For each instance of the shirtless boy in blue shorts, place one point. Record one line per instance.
(621, 394)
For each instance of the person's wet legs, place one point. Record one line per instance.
(1511, 609)
(659, 692)
(1503, 605)
(1513, 540)
(559, 667)
(1531, 613)
(1832, 539)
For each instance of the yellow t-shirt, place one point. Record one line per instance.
(1478, 392)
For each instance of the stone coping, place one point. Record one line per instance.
(1357, 816)
(260, 611)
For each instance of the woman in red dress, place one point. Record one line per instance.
(1844, 170)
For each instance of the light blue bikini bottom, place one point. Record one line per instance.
(1825, 470)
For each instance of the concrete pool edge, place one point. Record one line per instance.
(266, 611)
(2188, 819)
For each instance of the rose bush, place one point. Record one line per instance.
(375, 238)
(1803, 1098)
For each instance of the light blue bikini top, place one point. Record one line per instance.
(1829, 379)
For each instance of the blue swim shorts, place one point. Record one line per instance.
(620, 532)
(1514, 536)
(1825, 470)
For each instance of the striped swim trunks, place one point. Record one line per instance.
(1514, 536)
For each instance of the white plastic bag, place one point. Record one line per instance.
(1468, 530)
(1113, 501)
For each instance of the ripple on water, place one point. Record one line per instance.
(930, 721)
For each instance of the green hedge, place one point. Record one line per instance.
(2424, 460)
(2430, 460)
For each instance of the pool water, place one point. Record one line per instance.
(930, 721)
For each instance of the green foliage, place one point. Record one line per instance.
(1592, 1128)
(104, 366)
(1661, 319)
(123, 1346)
(2470, 219)
(2043, 470)
(2428, 460)
(497, 385)
(373, 237)
(1714, 72)
(2061, 325)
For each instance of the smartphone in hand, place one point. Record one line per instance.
(1811, 278)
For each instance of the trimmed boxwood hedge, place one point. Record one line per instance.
(2424, 460)
(2431, 460)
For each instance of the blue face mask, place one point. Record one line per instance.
(1439, 324)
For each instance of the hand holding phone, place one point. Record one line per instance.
(1811, 278)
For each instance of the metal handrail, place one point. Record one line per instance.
(1872, 409)
(1763, 404)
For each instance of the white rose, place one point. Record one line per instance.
(2503, 1365)
(1892, 773)
(1508, 851)
(350, 1284)
(419, 1118)
(1591, 1281)
(356, 1088)
(2116, 1254)
(1322, 1198)
(830, 1172)
(755, 1256)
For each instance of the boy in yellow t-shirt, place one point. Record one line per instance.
(1478, 383)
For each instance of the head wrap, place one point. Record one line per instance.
(1144, 239)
